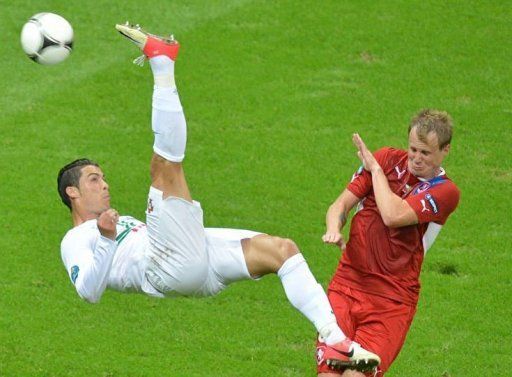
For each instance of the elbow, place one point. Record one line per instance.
(397, 214)
(333, 208)
(336, 209)
(397, 221)
(391, 221)
(90, 297)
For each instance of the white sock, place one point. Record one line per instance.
(307, 296)
(163, 71)
(168, 120)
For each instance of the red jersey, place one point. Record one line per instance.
(387, 261)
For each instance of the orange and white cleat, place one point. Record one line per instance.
(151, 45)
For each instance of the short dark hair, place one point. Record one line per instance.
(69, 175)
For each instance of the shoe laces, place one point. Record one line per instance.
(140, 60)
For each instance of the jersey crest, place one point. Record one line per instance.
(128, 225)
(424, 186)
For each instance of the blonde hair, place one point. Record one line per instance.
(430, 120)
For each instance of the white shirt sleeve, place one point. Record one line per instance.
(88, 258)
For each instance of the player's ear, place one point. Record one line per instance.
(446, 149)
(72, 192)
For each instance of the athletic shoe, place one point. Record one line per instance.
(150, 45)
(349, 354)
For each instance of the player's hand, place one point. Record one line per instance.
(335, 238)
(107, 223)
(369, 162)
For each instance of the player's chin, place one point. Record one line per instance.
(418, 172)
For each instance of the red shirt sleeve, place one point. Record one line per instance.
(361, 183)
(435, 203)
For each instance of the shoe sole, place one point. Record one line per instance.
(128, 31)
(366, 365)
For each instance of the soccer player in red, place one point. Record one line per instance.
(403, 198)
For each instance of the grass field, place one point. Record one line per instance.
(272, 92)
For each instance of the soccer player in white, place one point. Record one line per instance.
(174, 255)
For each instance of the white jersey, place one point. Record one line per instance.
(95, 263)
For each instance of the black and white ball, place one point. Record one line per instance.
(47, 38)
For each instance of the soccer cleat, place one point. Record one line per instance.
(150, 45)
(349, 354)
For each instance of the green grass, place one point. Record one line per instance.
(272, 92)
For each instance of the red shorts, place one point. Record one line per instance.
(377, 323)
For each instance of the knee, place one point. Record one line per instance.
(266, 254)
(156, 166)
(164, 170)
(285, 248)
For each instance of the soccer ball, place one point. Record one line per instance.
(47, 38)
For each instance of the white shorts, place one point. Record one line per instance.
(186, 259)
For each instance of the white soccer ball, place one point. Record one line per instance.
(47, 38)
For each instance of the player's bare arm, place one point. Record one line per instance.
(395, 211)
(107, 223)
(336, 218)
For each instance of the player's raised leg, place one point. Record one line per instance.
(168, 120)
(184, 232)
(177, 258)
(266, 254)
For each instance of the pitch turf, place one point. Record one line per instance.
(272, 92)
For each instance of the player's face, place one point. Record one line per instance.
(94, 196)
(425, 157)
